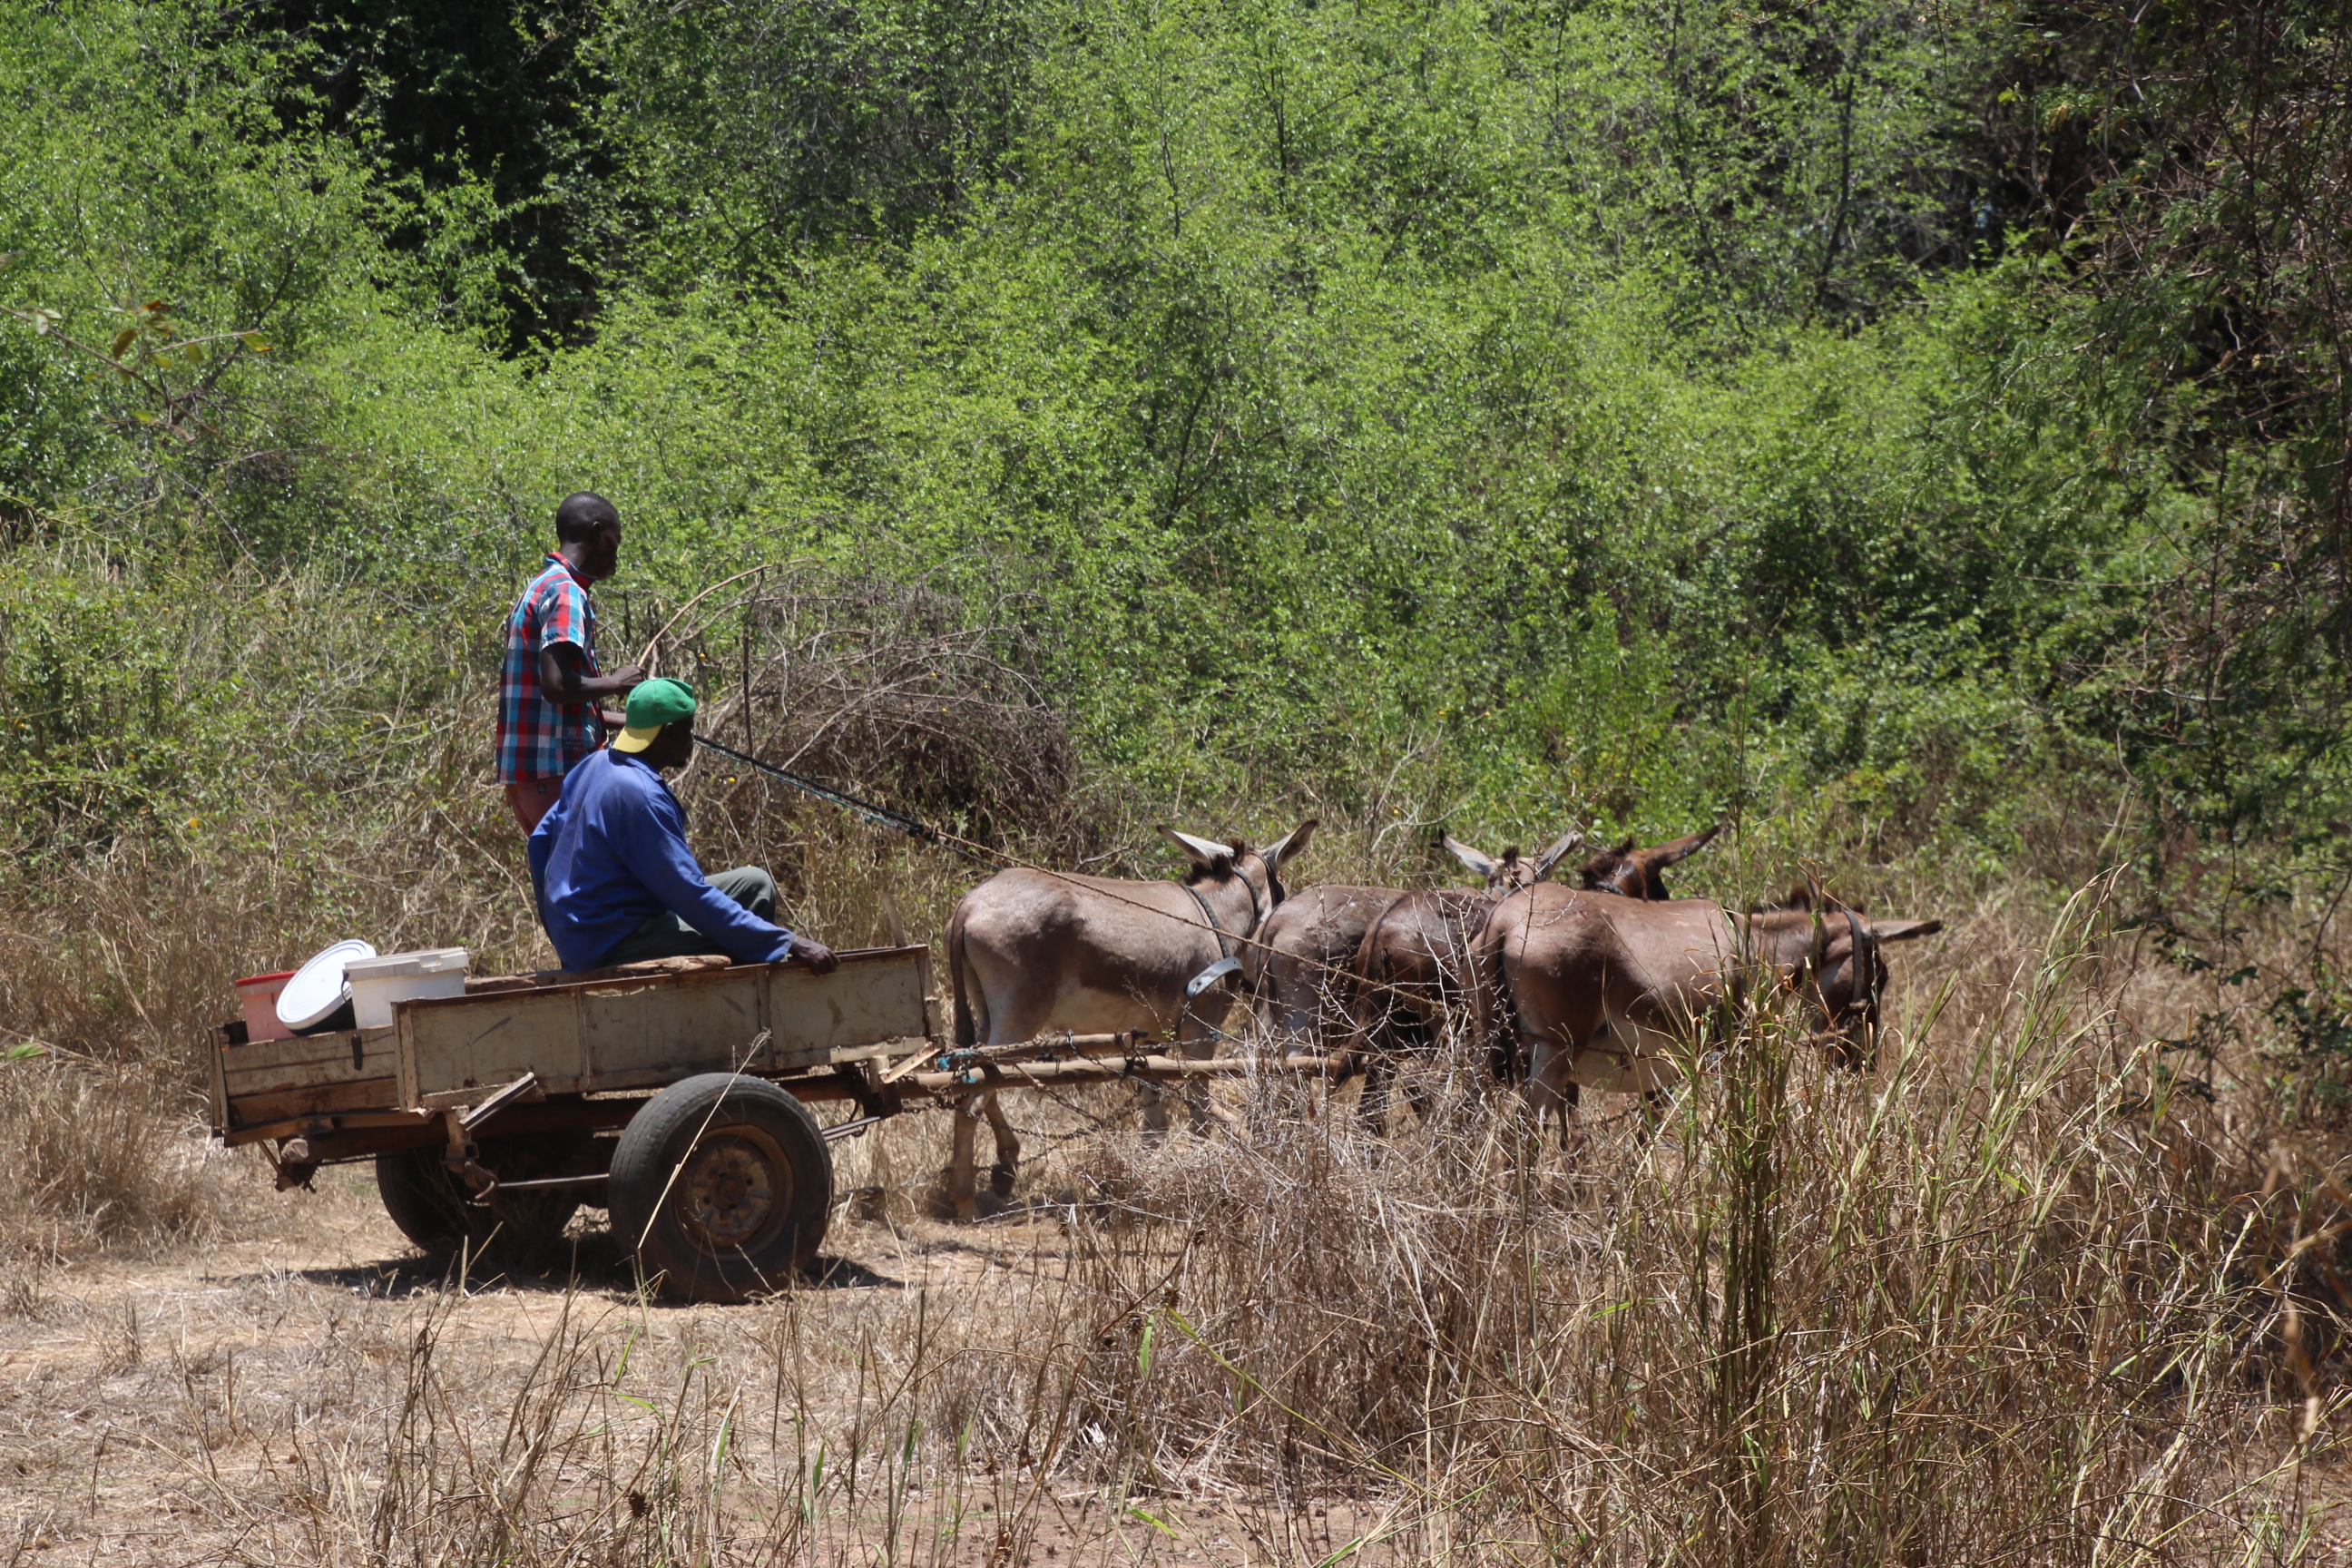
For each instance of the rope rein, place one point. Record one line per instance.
(880, 815)
(983, 855)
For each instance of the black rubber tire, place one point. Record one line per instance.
(722, 1186)
(427, 1200)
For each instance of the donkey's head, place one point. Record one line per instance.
(1842, 973)
(1514, 870)
(1259, 870)
(1636, 872)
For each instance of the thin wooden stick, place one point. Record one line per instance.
(657, 636)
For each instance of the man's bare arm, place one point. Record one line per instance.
(563, 676)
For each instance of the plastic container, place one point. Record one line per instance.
(378, 983)
(319, 990)
(259, 995)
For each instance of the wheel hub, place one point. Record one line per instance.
(737, 1189)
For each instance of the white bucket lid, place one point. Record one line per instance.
(318, 987)
(398, 965)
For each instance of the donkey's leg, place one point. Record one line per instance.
(1420, 1073)
(1373, 1105)
(1008, 1149)
(961, 1196)
(1551, 1092)
(1198, 1048)
(1420, 1096)
(1546, 1075)
(1195, 1095)
(1196, 1040)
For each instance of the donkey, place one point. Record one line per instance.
(1410, 970)
(1300, 955)
(1030, 950)
(1300, 967)
(1600, 990)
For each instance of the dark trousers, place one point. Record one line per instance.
(664, 935)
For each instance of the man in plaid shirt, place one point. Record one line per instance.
(551, 689)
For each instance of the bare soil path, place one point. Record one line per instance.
(306, 1389)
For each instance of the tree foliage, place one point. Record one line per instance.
(1642, 408)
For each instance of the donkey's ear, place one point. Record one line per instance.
(1902, 931)
(1562, 846)
(1290, 843)
(1204, 852)
(1480, 865)
(1659, 856)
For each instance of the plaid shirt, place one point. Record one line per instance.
(537, 739)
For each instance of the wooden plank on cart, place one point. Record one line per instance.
(874, 998)
(461, 1041)
(317, 1100)
(310, 1061)
(643, 1031)
(638, 1032)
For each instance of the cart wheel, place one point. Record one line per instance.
(428, 1202)
(722, 1186)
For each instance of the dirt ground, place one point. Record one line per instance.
(305, 1389)
(255, 1400)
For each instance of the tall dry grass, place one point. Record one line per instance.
(115, 971)
(1976, 1309)
(1989, 1304)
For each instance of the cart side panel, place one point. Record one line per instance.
(875, 995)
(216, 1090)
(491, 1039)
(310, 1061)
(642, 1033)
(656, 1031)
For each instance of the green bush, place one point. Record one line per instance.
(1623, 414)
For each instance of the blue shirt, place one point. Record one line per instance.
(612, 852)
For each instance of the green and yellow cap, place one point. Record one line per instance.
(652, 705)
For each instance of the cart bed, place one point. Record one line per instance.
(630, 1032)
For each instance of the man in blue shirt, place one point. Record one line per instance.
(617, 883)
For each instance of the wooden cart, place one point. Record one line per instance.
(676, 1099)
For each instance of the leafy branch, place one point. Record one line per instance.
(150, 344)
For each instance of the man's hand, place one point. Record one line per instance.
(628, 676)
(821, 959)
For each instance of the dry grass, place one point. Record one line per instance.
(2013, 1297)
(890, 689)
(1968, 1312)
(100, 1151)
(1976, 1309)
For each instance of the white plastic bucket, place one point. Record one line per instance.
(378, 983)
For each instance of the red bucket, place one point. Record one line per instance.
(259, 995)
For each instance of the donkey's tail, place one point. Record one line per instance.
(1369, 999)
(967, 1032)
(1494, 1010)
